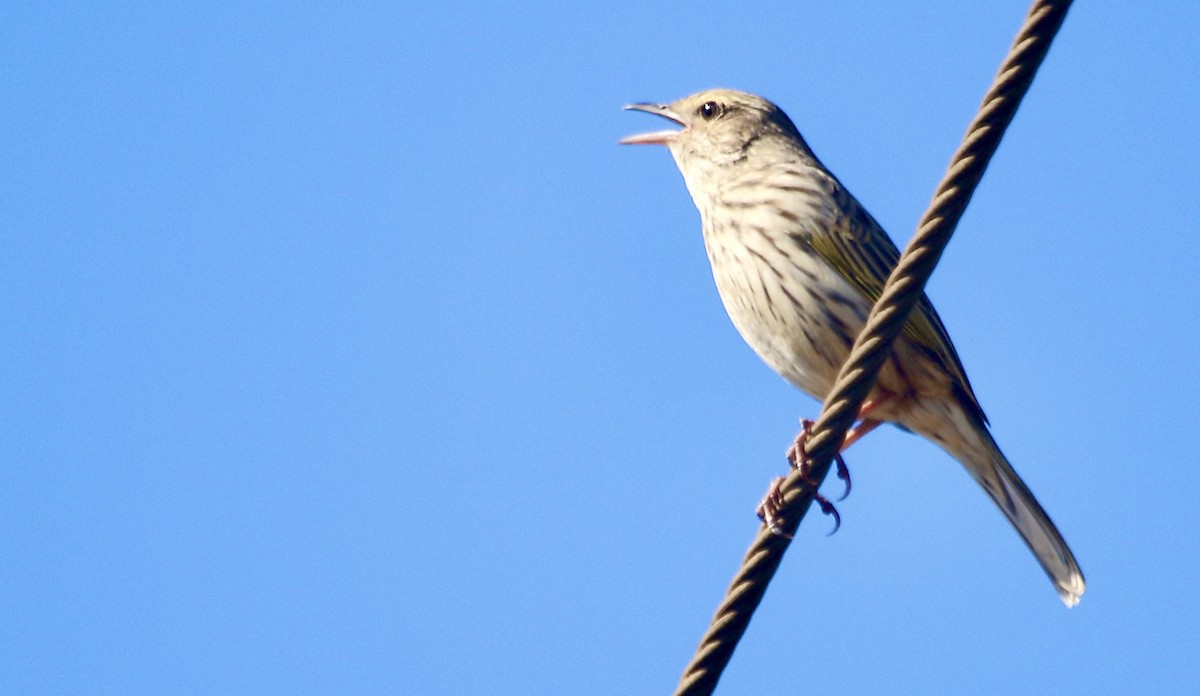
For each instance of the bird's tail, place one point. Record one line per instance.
(991, 469)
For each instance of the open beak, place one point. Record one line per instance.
(663, 137)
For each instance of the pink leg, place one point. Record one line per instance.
(858, 432)
(865, 423)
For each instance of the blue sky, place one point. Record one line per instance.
(347, 352)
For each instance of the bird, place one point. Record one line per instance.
(798, 263)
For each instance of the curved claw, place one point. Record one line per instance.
(843, 472)
(828, 508)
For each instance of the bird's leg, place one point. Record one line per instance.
(865, 423)
(859, 431)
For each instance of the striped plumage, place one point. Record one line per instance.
(798, 262)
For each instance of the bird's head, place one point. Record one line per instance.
(722, 128)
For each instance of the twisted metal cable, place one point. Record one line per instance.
(903, 289)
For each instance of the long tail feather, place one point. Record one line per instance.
(988, 465)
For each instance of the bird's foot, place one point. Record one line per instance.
(772, 503)
(768, 509)
(798, 457)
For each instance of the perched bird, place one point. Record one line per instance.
(798, 262)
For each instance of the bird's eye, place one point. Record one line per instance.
(709, 110)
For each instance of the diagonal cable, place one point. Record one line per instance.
(903, 289)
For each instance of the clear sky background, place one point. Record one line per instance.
(345, 351)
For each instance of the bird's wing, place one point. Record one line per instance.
(860, 249)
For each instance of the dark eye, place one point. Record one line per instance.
(709, 110)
